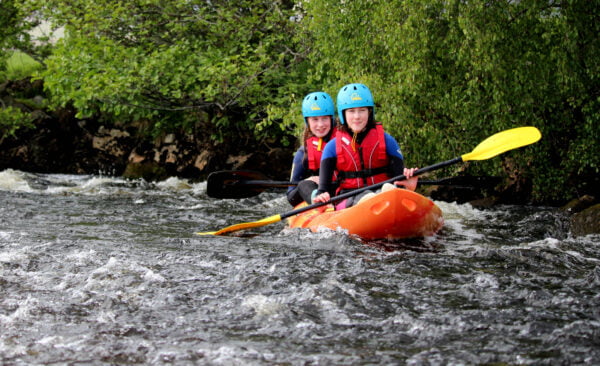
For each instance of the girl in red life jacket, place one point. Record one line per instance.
(318, 112)
(361, 153)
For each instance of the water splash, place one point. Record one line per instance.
(14, 181)
(108, 271)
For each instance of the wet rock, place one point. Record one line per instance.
(579, 204)
(203, 160)
(485, 202)
(237, 161)
(147, 170)
(135, 158)
(586, 222)
(168, 154)
(274, 162)
(112, 142)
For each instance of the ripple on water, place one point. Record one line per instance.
(102, 270)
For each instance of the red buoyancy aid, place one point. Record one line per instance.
(361, 164)
(314, 147)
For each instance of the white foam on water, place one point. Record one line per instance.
(11, 349)
(50, 340)
(199, 188)
(96, 182)
(263, 305)
(485, 280)
(14, 181)
(559, 246)
(456, 217)
(324, 239)
(117, 278)
(234, 355)
(89, 185)
(106, 317)
(81, 257)
(193, 207)
(453, 210)
(5, 235)
(23, 311)
(151, 276)
(13, 257)
(547, 243)
(109, 267)
(582, 257)
(278, 202)
(174, 183)
(459, 212)
(76, 343)
(332, 313)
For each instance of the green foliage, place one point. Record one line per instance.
(20, 65)
(10, 23)
(166, 61)
(15, 27)
(13, 119)
(447, 74)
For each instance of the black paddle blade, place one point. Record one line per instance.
(230, 184)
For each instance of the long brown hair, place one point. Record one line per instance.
(306, 134)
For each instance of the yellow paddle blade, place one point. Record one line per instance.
(244, 225)
(503, 141)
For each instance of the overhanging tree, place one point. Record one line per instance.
(208, 66)
(447, 73)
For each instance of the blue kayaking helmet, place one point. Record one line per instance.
(317, 104)
(354, 96)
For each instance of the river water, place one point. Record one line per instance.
(100, 270)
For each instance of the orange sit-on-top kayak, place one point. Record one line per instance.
(393, 214)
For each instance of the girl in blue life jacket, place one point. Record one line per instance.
(361, 153)
(318, 112)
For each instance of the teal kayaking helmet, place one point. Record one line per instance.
(317, 104)
(354, 96)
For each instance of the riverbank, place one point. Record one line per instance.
(63, 143)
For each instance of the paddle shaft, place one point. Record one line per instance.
(266, 183)
(283, 183)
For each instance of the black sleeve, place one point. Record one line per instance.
(293, 196)
(302, 192)
(326, 175)
(299, 172)
(396, 166)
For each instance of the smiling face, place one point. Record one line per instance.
(357, 118)
(319, 126)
